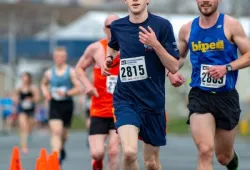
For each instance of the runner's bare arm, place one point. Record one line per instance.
(239, 37)
(100, 56)
(76, 84)
(182, 43)
(45, 83)
(177, 79)
(85, 61)
(36, 93)
(112, 52)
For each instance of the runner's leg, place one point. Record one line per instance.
(129, 140)
(203, 132)
(151, 157)
(113, 151)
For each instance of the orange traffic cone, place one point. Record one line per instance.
(56, 161)
(15, 160)
(51, 162)
(37, 164)
(43, 154)
(43, 160)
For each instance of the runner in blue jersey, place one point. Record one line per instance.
(59, 85)
(213, 39)
(147, 47)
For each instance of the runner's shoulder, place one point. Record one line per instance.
(48, 72)
(229, 18)
(162, 22)
(119, 22)
(231, 21)
(232, 24)
(158, 18)
(94, 46)
(186, 28)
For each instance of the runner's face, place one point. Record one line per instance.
(25, 79)
(136, 7)
(60, 57)
(208, 7)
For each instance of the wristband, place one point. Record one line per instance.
(229, 68)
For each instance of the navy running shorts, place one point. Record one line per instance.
(152, 126)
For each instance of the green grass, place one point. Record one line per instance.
(178, 126)
(78, 123)
(175, 125)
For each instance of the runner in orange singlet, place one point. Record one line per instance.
(101, 90)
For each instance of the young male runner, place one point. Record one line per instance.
(147, 46)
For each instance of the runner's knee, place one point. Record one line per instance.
(224, 158)
(97, 155)
(129, 154)
(23, 126)
(205, 151)
(57, 132)
(113, 152)
(152, 164)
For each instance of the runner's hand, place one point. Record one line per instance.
(148, 37)
(61, 93)
(109, 61)
(217, 72)
(176, 79)
(106, 66)
(91, 91)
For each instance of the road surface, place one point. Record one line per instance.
(179, 154)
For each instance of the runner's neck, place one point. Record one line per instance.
(26, 86)
(140, 18)
(61, 67)
(207, 22)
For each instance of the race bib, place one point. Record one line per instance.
(26, 104)
(55, 92)
(208, 81)
(111, 83)
(133, 69)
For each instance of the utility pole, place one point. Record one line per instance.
(11, 51)
(52, 31)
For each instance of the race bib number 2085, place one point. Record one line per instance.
(208, 81)
(133, 69)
